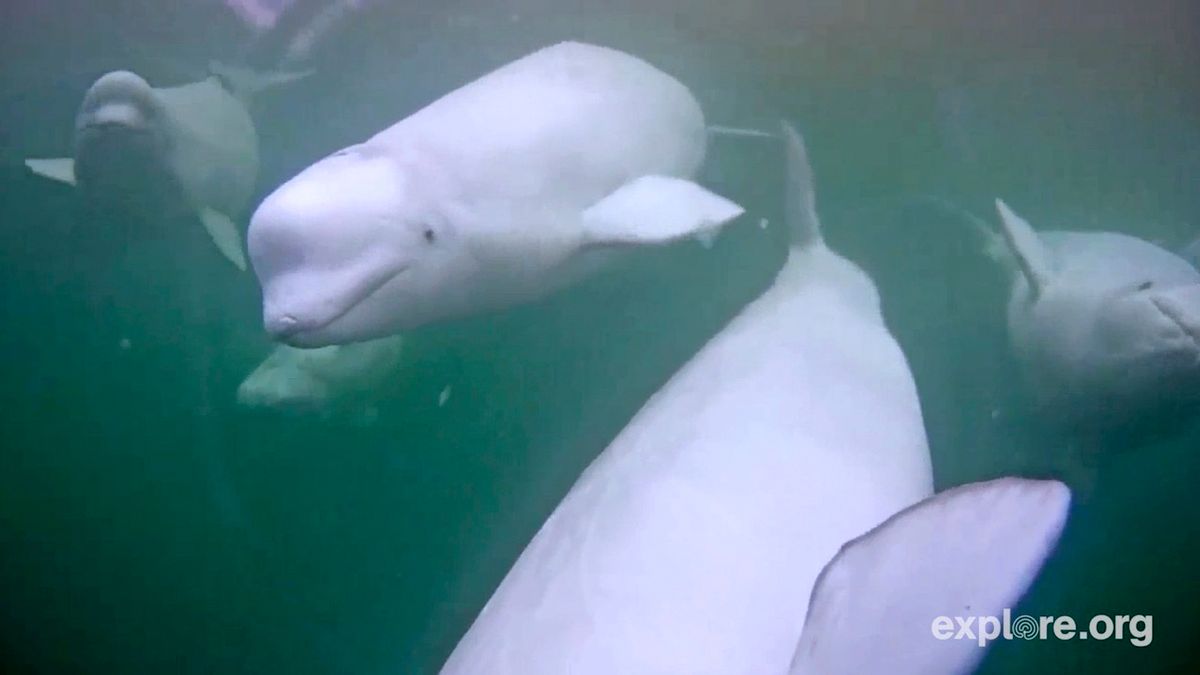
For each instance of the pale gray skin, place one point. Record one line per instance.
(323, 381)
(1106, 326)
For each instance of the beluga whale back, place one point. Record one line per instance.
(692, 544)
(153, 150)
(1105, 325)
(497, 193)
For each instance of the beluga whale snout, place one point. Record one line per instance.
(503, 190)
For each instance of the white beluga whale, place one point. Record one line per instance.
(1106, 326)
(165, 150)
(322, 381)
(495, 194)
(693, 542)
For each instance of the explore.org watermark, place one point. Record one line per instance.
(1138, 629)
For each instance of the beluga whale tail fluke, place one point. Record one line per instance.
(971, 551)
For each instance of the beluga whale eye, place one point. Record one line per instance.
(429, 235)
(1145, 285)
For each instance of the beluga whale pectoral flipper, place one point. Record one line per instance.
(1106, 326)
(876, 606)
(1027, 249)
(503, 190)
(61, 169)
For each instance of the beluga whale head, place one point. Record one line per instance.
(1105, 324)
(349, 250)
(120, 139)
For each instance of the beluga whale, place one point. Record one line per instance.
(500, 192)
(694, 542)
(1106, 326)
(152, 151)
(322, 381)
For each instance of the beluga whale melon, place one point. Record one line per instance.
(499, 192)
(151, 151)
(1106, 326)
(692, 544)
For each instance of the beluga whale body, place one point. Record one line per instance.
(495, 194)
(692, 544)
(153, 151)
(1105, 325)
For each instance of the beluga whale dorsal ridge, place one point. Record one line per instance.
(190, 148)
(691, 544)
(500, 192)
(1105, 325)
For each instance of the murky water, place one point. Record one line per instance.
(149, 524)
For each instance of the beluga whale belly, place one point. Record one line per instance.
(499, 192)
(693, 543)
(1105, 325)
(149, 151)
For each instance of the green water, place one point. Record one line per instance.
(148, 525)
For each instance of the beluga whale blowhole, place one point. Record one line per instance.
(497, 193)
(1106, 326)
(694, 542)
(153, 151)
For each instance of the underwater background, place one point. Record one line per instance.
(148, 524)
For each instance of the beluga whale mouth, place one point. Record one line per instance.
(114, 127)
(296, 323)
(1175, 316)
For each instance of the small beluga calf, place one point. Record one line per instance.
(1106, 326)
(149, 151)
(694, 542)
(323, 381)
(501, 191)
